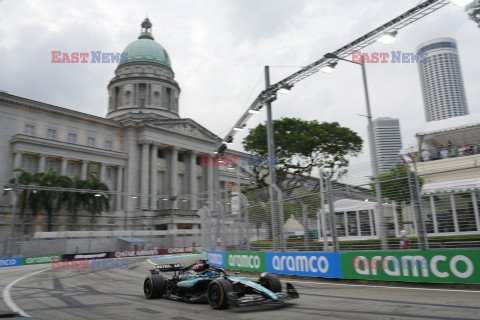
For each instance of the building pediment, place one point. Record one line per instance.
(185, 126)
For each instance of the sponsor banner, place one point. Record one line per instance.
(439, 266)
(88, 256)
(250, 261)
(134, 253)
(176, 250)
(312, 264)
(10, 262)
(41, 259)
(150, 252)
(216, 258)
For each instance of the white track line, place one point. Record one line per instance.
(8, 299)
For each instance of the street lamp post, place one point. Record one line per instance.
(271, 165)
(376, 175)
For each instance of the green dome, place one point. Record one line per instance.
(146, 50)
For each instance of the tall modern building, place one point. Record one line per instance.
(441, 80)
(388, 142)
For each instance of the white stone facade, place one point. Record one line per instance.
(147, 155)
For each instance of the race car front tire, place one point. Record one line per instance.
(154, 286)
(270, 282)
(217, 293)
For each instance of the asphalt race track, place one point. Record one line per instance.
(118, 294)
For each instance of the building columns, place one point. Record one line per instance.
(118, 199)
(41, 163)
(210, 184)
(83, 173)
(102, 171)
(153, 177)
(174, 175)
(17, 160)
(193, 180)
(144, 175)
(63, 167)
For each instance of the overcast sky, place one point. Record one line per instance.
(218, 49)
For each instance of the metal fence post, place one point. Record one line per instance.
(336, 246)
(422, 232)
(280, 217)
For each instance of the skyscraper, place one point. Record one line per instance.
(388, 142)
(441, 80)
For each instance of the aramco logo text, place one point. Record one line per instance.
(215, 258)
(244, 261)
(301, 263)
(439, 265)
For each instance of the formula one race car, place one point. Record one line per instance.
(201, 282)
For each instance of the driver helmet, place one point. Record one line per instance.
(211, 273)
(198, 267)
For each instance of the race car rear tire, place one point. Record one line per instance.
(270, 282)
(154, 286)
(217, 293)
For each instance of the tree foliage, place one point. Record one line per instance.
(303, 145)
(394, 185)
(51, 196)
(96, 202)
(473, 11)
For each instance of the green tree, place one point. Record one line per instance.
(394, 185)
(50, 200)
(303, 145)
(473, 11)
(76, 200)
(96, 202)
(26, 200)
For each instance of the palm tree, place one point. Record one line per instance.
(50, 200)
(76, 200)
(97, 202)
(25, 199)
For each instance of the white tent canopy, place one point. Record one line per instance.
(449, 125)
(462, 185)
(457, 130)
(292, 225)
(351, 205)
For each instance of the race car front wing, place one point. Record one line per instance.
(254, 300)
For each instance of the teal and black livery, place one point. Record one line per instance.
(201, 282)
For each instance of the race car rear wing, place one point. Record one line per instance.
(169, 267)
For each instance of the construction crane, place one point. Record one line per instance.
(270, 94)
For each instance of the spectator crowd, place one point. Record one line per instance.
(449, 151)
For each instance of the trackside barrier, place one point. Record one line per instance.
(41, 259)
(311, 264)
(10, 262)
(436, 266)
(150, 252)
(249, 261)
(216, 258)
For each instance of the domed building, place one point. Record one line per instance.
(144, 83)
(150, 157)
